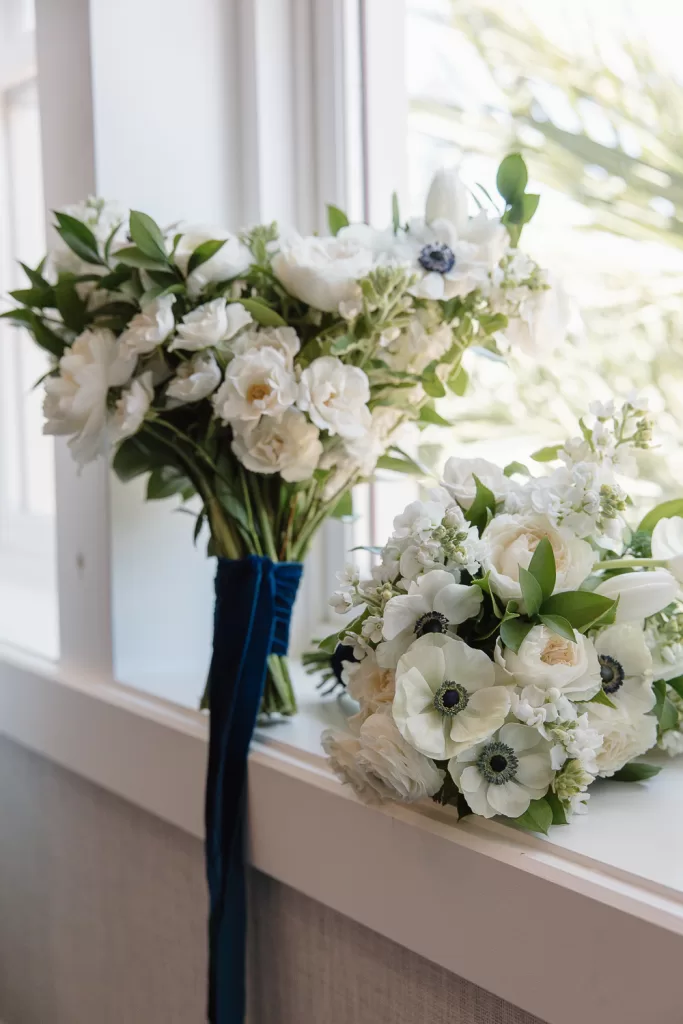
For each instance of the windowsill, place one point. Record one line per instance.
(606, 892)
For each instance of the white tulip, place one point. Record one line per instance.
(209, 325)
(335, 396)
(459, 474)
(641, 594)
(323, 272)
(667, 544)
(256, 384)
(448, 199)
(150, 327)
(231, 260)
(131, 408)
(288, 445)
(196, 379)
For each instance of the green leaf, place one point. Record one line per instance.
(343, 344)
(664, 511)
(538, 818)
(581, 608)
(664, 710)
(344, 507)
(548, 454)
(559, 625)
(147, 236)
(130, 460)
(513, 632)
(433, 386)
(676, 684)
(34, 276)
(429, 415)
(484, 502)
(602, 698)
(399, 465)
(492, 322)
(557, 807)
(263, 314)
(512, 178)
(79, 238)
(522, 210)
(458, 381)
(165, 481)
(72, 308)
(336, 219)
(636, 771)
(19, 317)
(542, 567)
(47, 338)
(133, 256)
(203, 253)
(531, 591)
(37, 298)
(395, 215)
(111, 282)
(516, 467)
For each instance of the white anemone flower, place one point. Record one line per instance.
(504, 774)
(446, 697)
(434, 604)
(626, 666)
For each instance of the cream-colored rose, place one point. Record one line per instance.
(256, 384)
(195, 379)
(626, 733)
(288, 445)
(335, 396)
(550, 662)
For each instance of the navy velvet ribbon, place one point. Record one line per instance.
(254, 599)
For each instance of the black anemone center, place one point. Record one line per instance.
(611, 673)
(431, 622)
(498, 763)
(451, 698)
(437, 257)
(342, 653)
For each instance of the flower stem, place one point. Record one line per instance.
(631, 563)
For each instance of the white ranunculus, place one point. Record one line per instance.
(667, 543)
(288, 445)
(209, 325)
(625, 665)
(256, 384)
(434, 604)
(626, 733)
(550, 662)
(447, 698)
(131, 408)
(195, 379)
(448, 199)
(641, 594)
(323, 272)
(342, 749)
(150, 327)
(284, 340)
(335, 396)
(505, 773)
(369, 684)
(231, 260)
(384, 753)
(459, 474)
(76, 400)
(510, 544)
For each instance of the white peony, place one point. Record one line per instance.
(335, 396)
(510, 544)
(231, 260)
(288, 445)
(76, 400)
(459, 474)
(640, 594)
(446, 696)
(195, 379)
(667, 544)
(625, 666)
(256, 384)
(434, 604)
(131, 408)
(384, 753)
(209, 325)
(323, 272)
(284, 340)
(150, 327)
(626, 733)
(505, 773)
(550, 662)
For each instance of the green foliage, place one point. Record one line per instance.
(542, 567)
(636, 771)
(664, 710)
(581, 608)
(559, 625)
(72, 308)
(78, 237)
(531, 591)
(203, 253)
(398, 465)
(538, 818)
(557, 807)
(483, 506)
(133, 256)
(548, 454)
(344, 507)
(514, 631)
(262, 313)
(429, 415)
(516, 467)
(512, 178)
(147, 236)
(666, 510)
(458, 381)
(602, 698)
(395, 214)
(336, 219)
(166, 481)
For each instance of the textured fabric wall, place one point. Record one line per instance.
(102, 921)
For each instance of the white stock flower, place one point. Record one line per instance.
(446, 696)
(510, 544)
(625, 666)
(641, 594)
(131, 408)
(626, 733)
(385, 754)
(505, 773)
(288, 445)
(335, 396)
(284, 340)
(76, 399)
(323, 272)
(539, 706)
(256, 384)
(448, 199)
(672, 742)
(551, 662)
(208, 325)
(667, 543)
(459, 474)
(231, 260)
(150, 327)
(434, 604)
(195, 379)
(416, 347)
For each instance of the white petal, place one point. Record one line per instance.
(402, 613)
(492, 702)
(429, 662)
(463, 664)
(413, 695)
(426, 733)
(458, 602)
(534, 771)
(509, 799)
(431, 584)
(625, 643)
(519, 737)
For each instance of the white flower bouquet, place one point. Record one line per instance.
(265, 372)
(517, 639)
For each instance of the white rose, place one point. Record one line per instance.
(231, 260)
(667, 543)
(76, 400)
(323, 272)
(510, 544)
(131, 408)
(289, 445)
(150, 327)
(335, 396)
(459, 474)
(550, 662)
(256, 384)
(284, 340)
(209, 325)
(407, 774)
(196, 379)
(342, 749)
(448, 199)
(641, 594)
(626, 733)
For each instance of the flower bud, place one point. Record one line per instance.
(447, 199)
(641, 594)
